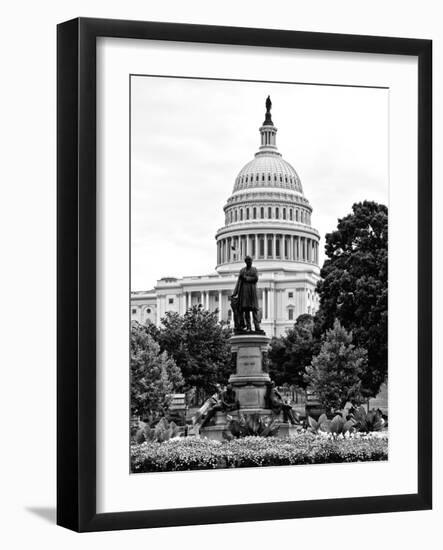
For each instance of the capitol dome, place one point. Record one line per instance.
(267, 215)
(268, 170)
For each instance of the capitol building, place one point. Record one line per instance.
(268, 218)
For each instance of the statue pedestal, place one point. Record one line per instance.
(250, 383)
(250, 380)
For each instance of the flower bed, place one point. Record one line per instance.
(200, 454)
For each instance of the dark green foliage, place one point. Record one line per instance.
(250, 425)
(198, 454)
(290, 354)
(154, 376)
(339, 425)
(199, 345)
(354, 286)
(335, 373)
(371, 421)
(162, 431)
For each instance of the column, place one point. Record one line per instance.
(271, 314)
(246, 245)
(184, 302)
(220, 305)
(274, 248)
(207, 300)
(256, 247)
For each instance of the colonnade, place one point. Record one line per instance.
(266, 296)
(239, 214)
(267, 246)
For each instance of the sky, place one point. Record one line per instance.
(191, 137)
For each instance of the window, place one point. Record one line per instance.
(171, 300)
(235, 215)
(277, 247)
(277, 215)
(241, 213)
(134, 311)
(290, 214)
(284, 213)
(290, 314)
(254, 213)
(148, 311)
(270, 247)
(269, 212)
(262, 212)
(290, 294)
(262, 247)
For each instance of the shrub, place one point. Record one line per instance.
(163, 431)
(251, 425)
(195, 454)
(366, 422)
(339, 425)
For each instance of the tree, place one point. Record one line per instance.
(154, 376)
(291, 353)
(199, 345)
(354, 285)
(335, 373)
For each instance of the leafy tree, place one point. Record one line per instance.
(291, 353)
(154, 376)
(354, 286)
(199, 345)
(335, 373)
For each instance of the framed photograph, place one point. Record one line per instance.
(244, 274)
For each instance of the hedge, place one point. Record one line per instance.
(200, 454)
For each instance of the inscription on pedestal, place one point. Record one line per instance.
(250, 397)
(249, 361)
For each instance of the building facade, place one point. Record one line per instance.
(268, 218)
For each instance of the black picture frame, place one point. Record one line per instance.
(76, 280)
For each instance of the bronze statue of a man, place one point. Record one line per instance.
(244, 300)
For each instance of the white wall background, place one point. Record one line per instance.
(27, 286)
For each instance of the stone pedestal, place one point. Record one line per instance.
(250, 380)
(250, 383)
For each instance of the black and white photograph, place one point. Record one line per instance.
(259, 273)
